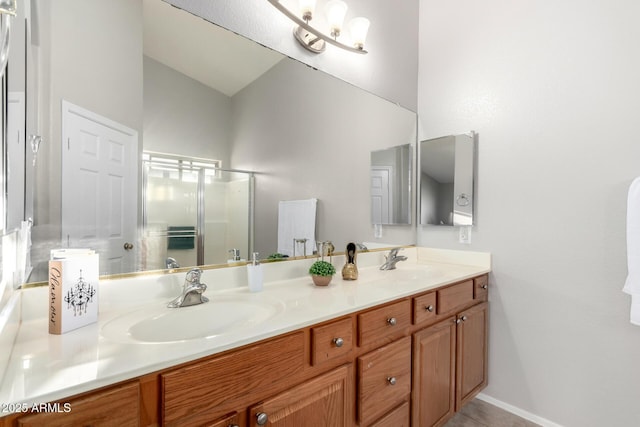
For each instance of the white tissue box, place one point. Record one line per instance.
(73, 289)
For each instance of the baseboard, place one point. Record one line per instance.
(517, 411)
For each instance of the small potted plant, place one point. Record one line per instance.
(321, 272)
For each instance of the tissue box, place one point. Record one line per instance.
(73, 289)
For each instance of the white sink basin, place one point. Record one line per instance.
(222, 315)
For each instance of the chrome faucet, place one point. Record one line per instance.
(191, 291)
(171, 263)
(392, 259)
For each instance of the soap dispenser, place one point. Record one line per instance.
(254, 274)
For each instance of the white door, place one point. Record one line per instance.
(381, 211)
(99, 187)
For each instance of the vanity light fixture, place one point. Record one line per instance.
(313, 38)
(7, 10)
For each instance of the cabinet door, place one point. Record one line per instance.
(471, 361)
(434, 355)
(325, 401)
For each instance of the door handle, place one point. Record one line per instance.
(128, 246)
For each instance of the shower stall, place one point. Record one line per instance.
(194, 212)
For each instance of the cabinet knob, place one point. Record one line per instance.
(457, 321)
(233, 425)
(485, 286)
(262, 418)
(391, 380)
(392, 321)
(429, 308)
(338, 342)
(464, 318)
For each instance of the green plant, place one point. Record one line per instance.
(322, 268)
(277, 256)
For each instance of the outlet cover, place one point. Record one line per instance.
(465, 235)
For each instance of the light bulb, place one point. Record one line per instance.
(336, 10)
(306, 9)
(358, 28)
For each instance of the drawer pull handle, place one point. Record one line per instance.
(485, 286)
(261, 418)
(392, 321)
(429, 308)
(392, 380)
(338, 342)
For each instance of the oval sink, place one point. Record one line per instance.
(223, 314)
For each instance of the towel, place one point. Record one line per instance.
(632, 284)
(296, 220)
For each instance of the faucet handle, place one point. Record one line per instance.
(193, 276)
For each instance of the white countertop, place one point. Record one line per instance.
(44, 367)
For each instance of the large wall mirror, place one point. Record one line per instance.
(447, 171)
(192, 90)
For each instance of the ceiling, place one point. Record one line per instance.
(201, 50)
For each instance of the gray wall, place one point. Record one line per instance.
(183, 116)
(327, 157)
(552, 89)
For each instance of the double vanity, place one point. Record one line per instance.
(394, 348)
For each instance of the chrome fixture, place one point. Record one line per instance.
(191, 292)
(314, 39)
(392, 259)
(7, 10)
(172, 263)
(235, 254)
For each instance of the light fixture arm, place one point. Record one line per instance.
(308, 28)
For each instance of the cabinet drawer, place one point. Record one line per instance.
(424, 308)
(115, 406)
(399, 417)
(480, 286)
(331, 341)
(384, 379)
(204, 391)
(454, 296)
(384, 323)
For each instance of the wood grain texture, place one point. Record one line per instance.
(116, 406)
(454, 297)
(204, 391)
(226, 421)
(399, 417)
(374, 325)
(376, 394)
(434, 375)
(323, 345)
(424, 308)
(481, 287)
(324, 401)
(471, 360)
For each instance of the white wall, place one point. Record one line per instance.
(388, 70)
(552, 88)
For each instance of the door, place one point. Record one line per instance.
(325, 401)
(434, 355)
(99, 187)
(471, 359)
(381, 211)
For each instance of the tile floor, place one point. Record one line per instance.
(478, 413)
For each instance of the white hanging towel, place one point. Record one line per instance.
(632, 285)
(296, 220)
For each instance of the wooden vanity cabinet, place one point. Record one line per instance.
(450, 356)
(413, 361)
